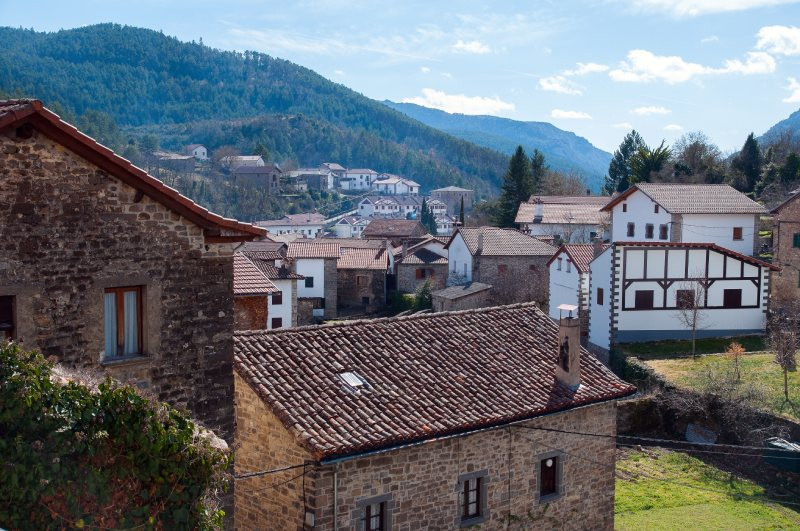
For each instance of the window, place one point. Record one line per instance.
(558, 265)
(737, 233)
(643, 300)
(502, 269)
(7, 317)
(624, 207)
(309, 282)
(362, 280)
(732, 298)
(796, 240)
(655, 209)
(569, 265)
(663, 232)
(123, 321)
(374, 517)
(550, 476)
(599, 296)
(685, 298)
(471, 501)
(420, 273)
(631, 229)
(277, 322)
(365, 301)
(277, 298)
(648, 231)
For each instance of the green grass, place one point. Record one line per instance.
(757, 367)
(678, 349)
(662, 490)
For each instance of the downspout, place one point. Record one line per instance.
(336, 497)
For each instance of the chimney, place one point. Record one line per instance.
(597, 246)
(568, 359)
(404, 249)
(480, 243)
(538, 210)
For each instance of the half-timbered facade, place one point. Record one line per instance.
(639, 291)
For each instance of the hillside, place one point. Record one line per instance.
(143, 78)
(563, 150)
(790, 125)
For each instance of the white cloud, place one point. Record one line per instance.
(650, 110)
(339, 72)
(424, 69)
(779, 40)
(794, 87)
(623, 125)
(643, 66)
(673, 127)
(460, 103)
(569, 115)
(692, 8)
(709, 39)
(582, 69)
(560, 84)
(448, 75)
(476, 47)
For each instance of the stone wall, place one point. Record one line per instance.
(305, 310)
(786, 282)
(331, 288)
(351, 292)
(526, 278)
(270, 501)
(69, 231)
(408, 282)
(250, 313)
(479, 299)
(453, 200)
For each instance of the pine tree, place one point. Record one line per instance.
(517, 187)
(461, 212)
(538, 171)
(748, 163)
(619, 170)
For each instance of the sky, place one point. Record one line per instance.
(596, 67)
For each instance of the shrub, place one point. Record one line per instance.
(72, 456)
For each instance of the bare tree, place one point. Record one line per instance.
(784, 340)
(691, 296)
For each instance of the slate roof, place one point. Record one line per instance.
(248, 279)
(363, 258)
(318, 248)
(393, 228)
(581, 254)
(461, 290)
(694, 198)
(19, 111)
(428, 376)
(502, 242)
(563, 213)
(423, 256)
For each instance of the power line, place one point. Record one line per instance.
(266, 472)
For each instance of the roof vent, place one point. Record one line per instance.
(354, 381)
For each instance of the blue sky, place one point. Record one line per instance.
(598, 68)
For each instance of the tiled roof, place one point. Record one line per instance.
(422, 256)
(700, 245)
(393, 228)
(275, 273)
(563, 213)
(267, 168)
(362, 170)
(694, 198)
(502, 242)
(361, 243)
(451, 189)
(427, 376)
(792, 196)
(402, 200)
(14, 112)
(294, 220)
(360, 258)
(461, 290)
(333, 166)
(581, 254)
(248, 279)
(571, 199)
(317, 248)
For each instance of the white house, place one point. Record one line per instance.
(198, 151)
(308, 225)
(400, 206)
(350, 226)
(310, 259)
(358, 179)
(638, 291)
(572, 219)
(314, 178)
(569, 276)
(395, 185)
(437, 207)
(445, 225)
(697, 213)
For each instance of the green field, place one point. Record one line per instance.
(757, 367)
(676, 349)
(661, 490)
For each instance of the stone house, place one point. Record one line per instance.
(111, 269)
(513, 263)
(570, 219)
(266, 177)
(461, 297)
(452, 196)
(785, 283)
(415, 423)
(361, 282)
(424, 261)
(236, 161)
(251, 292)
(395, 230)
(270, 258)
(307, 225)
(317, 295)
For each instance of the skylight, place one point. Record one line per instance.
(353, 379)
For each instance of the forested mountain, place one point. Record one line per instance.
(178, 90)
(563, 151)
(790, 126)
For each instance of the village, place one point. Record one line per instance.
(395, 367)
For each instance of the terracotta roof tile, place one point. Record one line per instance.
(427, 376)
(502, 242)
(274, 273)
(581, 254)
(562, 213)
(317, 248)
(248, 279)
(393, 228)
(423, 256)
(694, 198)
(361, 258)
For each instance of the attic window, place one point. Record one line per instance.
(354, 380)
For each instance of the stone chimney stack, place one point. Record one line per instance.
(538, 210)
(597, 246)
(568, 354)
(480, 243)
